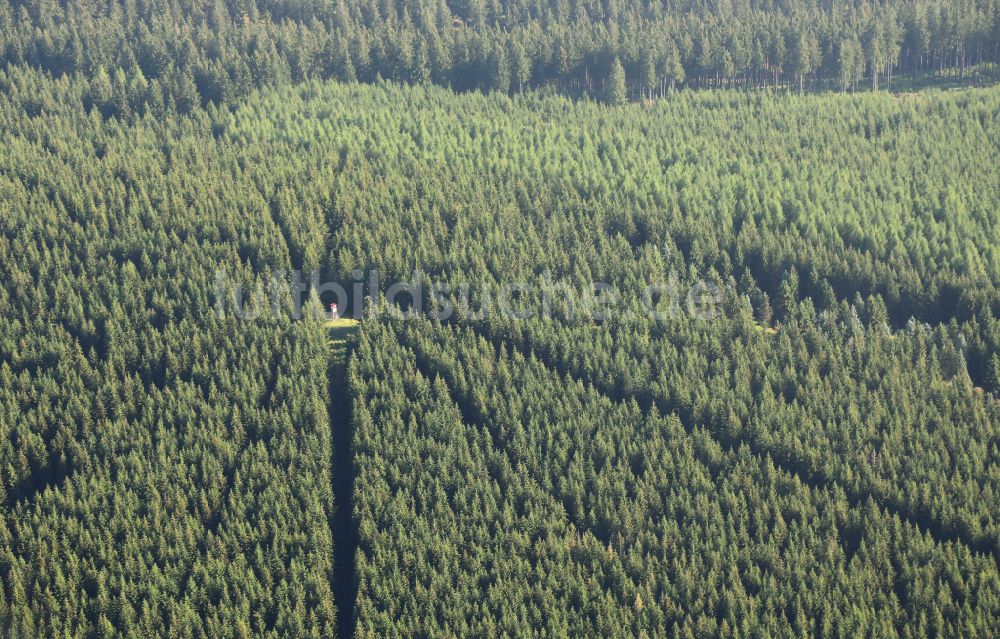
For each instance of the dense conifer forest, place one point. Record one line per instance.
(780, 415)
(159, 54)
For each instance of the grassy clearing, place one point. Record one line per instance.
(770, 330)
(977, 76)
(342, 330)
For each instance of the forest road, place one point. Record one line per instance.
(342, 524)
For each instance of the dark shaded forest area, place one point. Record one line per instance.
(160, 55)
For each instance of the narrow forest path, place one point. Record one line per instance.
(343, 526)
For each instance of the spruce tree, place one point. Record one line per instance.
(616, 90)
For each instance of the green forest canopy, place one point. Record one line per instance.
(155, 55)
(822, 458)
